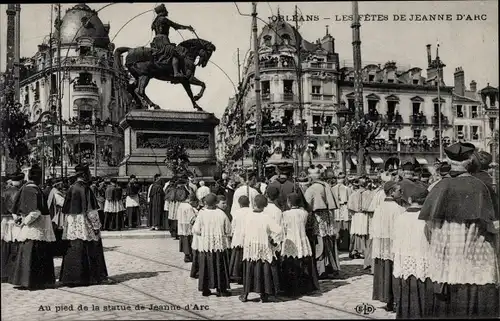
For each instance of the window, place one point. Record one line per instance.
(351, 78)
(371, 78)
(288, 118)
(436, 134)
(84, 78)
(316, 89)
(85, 116)
(84, 51)
(286, 39)
(392, 133)
(474, 112)
(391, 107)
(460, 111)
(436, 109)
(350, 104)
(27, 96)
(417, 133)
(415, 81)
(416, 108)
(37, 91)
(476, 133)
(372, 106)
(266, 89)
(53, 84)
(459, 130)
(267, 40)
(317, 129)
(288, 86)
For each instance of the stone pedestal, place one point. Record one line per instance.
(148, 134)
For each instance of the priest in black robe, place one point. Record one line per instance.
(10, 229)
(83, 262)
(462, 228)
(34, 268)
(157, 204)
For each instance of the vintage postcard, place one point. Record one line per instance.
(249, 160)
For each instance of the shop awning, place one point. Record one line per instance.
(422, 161)
(354, 160)
(377, 160)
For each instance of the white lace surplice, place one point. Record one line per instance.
(172, 208)
(36, 227)
(275, 213)
(185, 212)
(295, 241)
(459, 254)
(382, 229)
(257, 230)
(213, 229)
(10, 230)
(84, 226)
(113, 206)
(238, 224)
(410, 247)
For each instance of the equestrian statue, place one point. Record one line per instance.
(165, 60)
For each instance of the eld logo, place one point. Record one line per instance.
(365, 308)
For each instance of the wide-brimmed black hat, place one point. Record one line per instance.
(460, 151)
(81, 168)
(408, 166)
(17, 177)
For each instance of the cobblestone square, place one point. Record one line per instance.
(150, 281)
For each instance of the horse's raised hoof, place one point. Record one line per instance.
(197, 97)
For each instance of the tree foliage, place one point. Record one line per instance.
(15, 127)
(177, 159)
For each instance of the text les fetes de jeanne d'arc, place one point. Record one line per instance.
(121, 307)
(378, 17)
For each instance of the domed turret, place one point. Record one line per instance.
(278, 33)
(81, 20)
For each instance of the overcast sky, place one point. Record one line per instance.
(473, 45)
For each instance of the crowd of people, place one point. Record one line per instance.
(431, 243)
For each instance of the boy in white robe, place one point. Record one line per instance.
(237, 228)
(185, 213)
(213, 229)
(260, 267)
(381, 231)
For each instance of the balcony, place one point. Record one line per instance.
(86, 88)
(396, 119)
(407, 146)
(287, 98)
(280, 64)
(373, 116)
(322, 97)
(418, 119)
(318, 65)
(444, 121)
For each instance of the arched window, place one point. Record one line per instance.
(267, 40)
(37, 91)
(286, 39)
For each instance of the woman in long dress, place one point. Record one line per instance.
(299, 274)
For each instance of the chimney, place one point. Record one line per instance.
(429, 58)
(459, 81)
(473, 86)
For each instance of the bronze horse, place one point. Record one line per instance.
(142, 67)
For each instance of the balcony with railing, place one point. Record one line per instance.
(90, 88)
(418, 119)
(322, 97)
(318, 65)
(407, 146)
(392, 118)
(444, 121)
(373, 116)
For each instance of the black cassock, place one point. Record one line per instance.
(83, 262)
(34, 267)
(157, 205)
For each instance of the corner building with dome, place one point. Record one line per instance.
(93, 96)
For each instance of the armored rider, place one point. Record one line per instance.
(163, 49)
